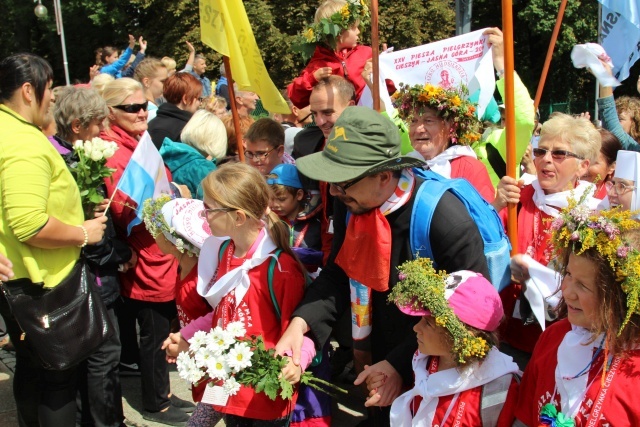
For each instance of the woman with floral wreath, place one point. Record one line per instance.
(442, 127)
(585, 369)
(332, 44)
(461, 378)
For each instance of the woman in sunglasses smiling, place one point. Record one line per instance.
(148, 289)
(567, 146)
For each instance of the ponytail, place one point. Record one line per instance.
(279, 233)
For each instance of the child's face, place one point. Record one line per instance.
(112, 58)
(432, 339)
(348, 38)
(580, 292)
(287, 205)
(262, 156)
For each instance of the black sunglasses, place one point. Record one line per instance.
(342, 189)
(555, 154)
(132, 108)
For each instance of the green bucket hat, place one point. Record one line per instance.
(362, 142)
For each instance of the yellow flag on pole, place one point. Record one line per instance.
(225, 27)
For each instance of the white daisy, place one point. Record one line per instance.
(231, 386)
(239, 357)
(187, 368)
(199, 339)
(202, 357)
(218, 368)
(219, 340)
(236, 329)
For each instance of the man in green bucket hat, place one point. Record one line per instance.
(375, 189)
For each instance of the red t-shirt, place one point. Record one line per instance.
(258, 314)
(474, 171)
(189, 303)
(620, 404)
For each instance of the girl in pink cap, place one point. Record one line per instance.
(461, 378)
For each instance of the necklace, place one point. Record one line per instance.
(588, 367)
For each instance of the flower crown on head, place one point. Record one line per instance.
(155, 222)
(422, 287)
(451, 104)
(355, 12)
(580, 229)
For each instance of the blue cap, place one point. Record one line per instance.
(284, 174)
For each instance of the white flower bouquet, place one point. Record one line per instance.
(226, 357)
(91, 170)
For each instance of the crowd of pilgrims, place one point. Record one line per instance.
(331, 189)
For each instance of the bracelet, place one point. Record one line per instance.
(86, 237)
(499, 73)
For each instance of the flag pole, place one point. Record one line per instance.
(375, 47)
(547, 61)
(510, 121)
(234, 108)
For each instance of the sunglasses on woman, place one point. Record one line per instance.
(555, 154)
(132, 108)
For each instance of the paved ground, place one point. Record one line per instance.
(347, 413)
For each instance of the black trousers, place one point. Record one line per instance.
(44, 398)
(154, 320)
(100, 394)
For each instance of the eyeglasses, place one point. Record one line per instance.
(201, 99)
(304, 118)
(342, 188)
(132, 108)
(620, 187)
(204, 213)
(259, 156)
(555, 154)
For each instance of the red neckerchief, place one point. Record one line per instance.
(365, 255)
(226, 309)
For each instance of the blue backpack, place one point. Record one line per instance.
(496, 244)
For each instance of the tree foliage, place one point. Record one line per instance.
(167, 24)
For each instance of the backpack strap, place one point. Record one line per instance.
(494, 394)
(424, 206)
(272, 266)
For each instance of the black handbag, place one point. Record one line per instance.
(62, 325)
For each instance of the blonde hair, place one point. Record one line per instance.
(241, 187)
(328, 8)
(170, 63)
(100, 81)
(148, 68)
(581, 135)
(206, 133)
(216, 102)
(115, 92)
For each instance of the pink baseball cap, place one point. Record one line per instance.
(473, 299)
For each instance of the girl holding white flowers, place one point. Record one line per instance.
(233, 277)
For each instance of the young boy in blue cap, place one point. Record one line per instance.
(288, 201)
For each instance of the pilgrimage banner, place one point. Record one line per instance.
(465, 59)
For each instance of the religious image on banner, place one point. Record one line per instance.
(465, 59)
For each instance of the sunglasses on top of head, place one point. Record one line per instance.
(132, 108)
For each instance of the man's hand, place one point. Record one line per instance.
(292, 339)
(190, 46)
(386, 383)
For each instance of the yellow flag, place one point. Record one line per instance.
(225, 27)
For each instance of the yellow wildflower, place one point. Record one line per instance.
(309, 35)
